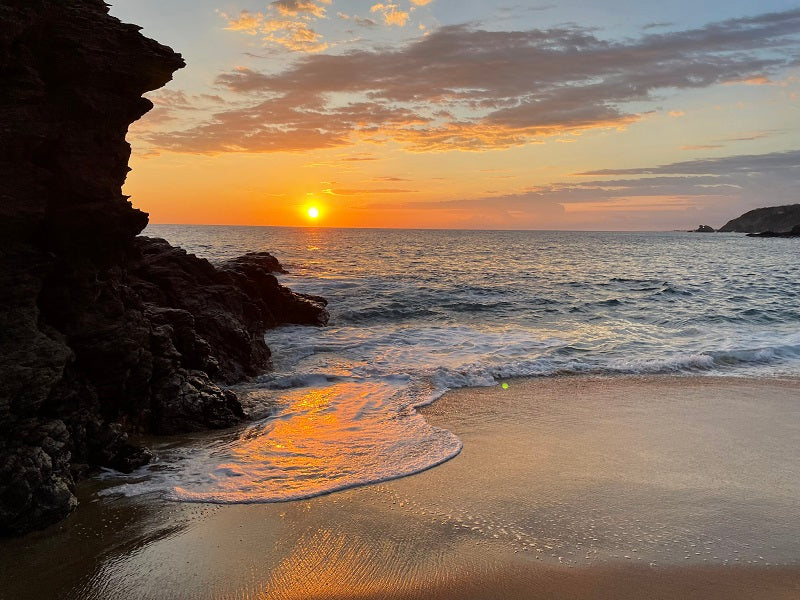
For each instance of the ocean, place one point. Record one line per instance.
(415, 313)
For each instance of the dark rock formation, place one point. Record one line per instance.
(704, 229)
(102, 333)
(774, 218)
(793, 232)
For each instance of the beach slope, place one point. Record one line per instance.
(627, 487)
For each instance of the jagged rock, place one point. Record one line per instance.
(34, 468)
(102, 333)
(225, 308)
(704, 229)
(776, 219)
(253, 274)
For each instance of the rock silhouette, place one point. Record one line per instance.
(102, 333)
(777, 219)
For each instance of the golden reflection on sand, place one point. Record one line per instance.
(323, 439)
(333, 563)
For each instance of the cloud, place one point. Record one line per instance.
(722, 142)
(701, 147)
(512, 211)
(363, 22)
(392, 15)
(289, 28)
(299, 7)
(748, 137)
(774, 163)
(710, 190)
(169, 105)
(754, 80)
(360, 158)
(461, 88)
(366, 192)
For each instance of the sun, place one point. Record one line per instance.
(312, 212)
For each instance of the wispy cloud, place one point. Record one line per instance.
(169, 105)
(362, 21)
(775, 164)
(366, 191)
(460, 88)
(701, 147)
(710, 190)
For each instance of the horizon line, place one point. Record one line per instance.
(429, 228)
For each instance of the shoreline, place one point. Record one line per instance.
(553, 470)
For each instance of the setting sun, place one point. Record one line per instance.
(313, 212)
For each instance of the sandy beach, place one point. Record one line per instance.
(626, 487)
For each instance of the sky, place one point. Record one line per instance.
(570, 115)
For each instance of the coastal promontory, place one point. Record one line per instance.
(103, 333)
(776, 219)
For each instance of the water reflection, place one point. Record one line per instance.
(323, 439)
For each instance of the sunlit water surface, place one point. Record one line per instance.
(415, 313)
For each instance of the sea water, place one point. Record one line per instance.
(417, 312)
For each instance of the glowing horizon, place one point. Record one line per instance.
(441, 115)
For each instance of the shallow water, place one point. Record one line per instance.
(689, 482)
(414, 313)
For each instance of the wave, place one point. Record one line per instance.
(330, 431)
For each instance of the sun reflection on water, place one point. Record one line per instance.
(325, 439)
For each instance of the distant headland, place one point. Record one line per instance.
(775, 219)
(771, 221)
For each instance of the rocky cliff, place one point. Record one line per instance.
(102, 333)
(776, 219)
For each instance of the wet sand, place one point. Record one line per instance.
(645, 487)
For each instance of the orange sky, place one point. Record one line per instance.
(434, 118)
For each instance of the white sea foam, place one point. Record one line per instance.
(323, 439)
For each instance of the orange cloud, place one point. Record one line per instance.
(291, 33)
(437, 94)
(246, 21)
(391, 14)
(297, 7)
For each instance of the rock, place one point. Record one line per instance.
(252, 273)
(777, 219)
(34, 470)
(102, 333)
(218, 314)
(793, 232)
(704, 229)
